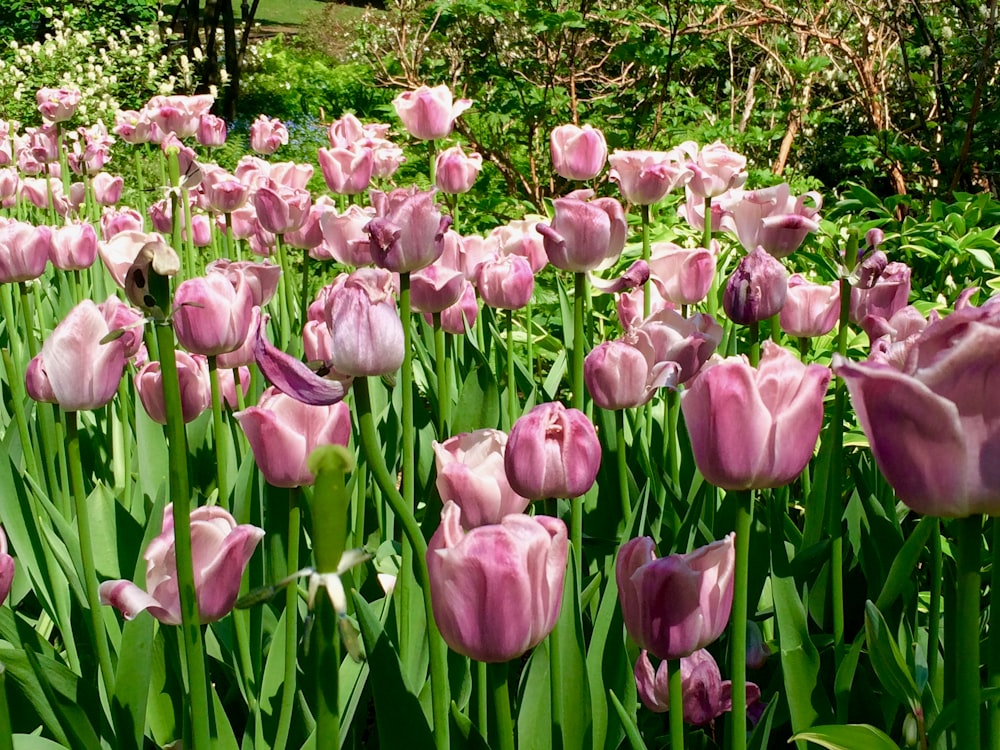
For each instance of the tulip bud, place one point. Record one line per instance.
(367, 336)
(195, 387)
(429, 113)
(6, 568)
(454, 171)
(578, 153)
(496, 590)
(506, 282)
(552, 452)
(24, 251)
(756, 291)
(211, 315)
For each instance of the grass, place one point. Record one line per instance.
(278, 12)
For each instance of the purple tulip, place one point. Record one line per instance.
(107, 188)
(578, 153)
(552, 452)
(260, 278)
(892, 339)
(810, 309)
(75, 369)
(755, 428)
(367, 335)
(888, 294)
(617, 376)
(496, 590)
(667, 336)
(584, 234)
(195, 387)
(211, 314)
(282, 209)
(429, 113)
(6, 568)
(220, 550)
(470, 473)
(461, 316)
(73, 247)
(706, 695)
(675, 605)
(282, 432)
(407, 232)
(932, 424)
(57, 105)
(211, 131)
(757, 289)
(645, 177)
(344, 236)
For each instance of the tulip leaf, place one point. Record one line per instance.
(848, 737)
(887, 661)
(534, 701)
(401, 721)
(478, 399)
(761, 737)
(462, 726)
(128, 707)
(575, 721)
(628, 722)
(905, 562)
(34, 742)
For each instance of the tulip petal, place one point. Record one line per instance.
(293, 377)
(130, 600)
(218, 584)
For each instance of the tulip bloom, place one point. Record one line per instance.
(755, 428)
(347, 171)
(810, 309)
(683, 275)
(282, 432)
(73, 247)
(889, 293)
(773, 219)
(220, 550)
(367, 336)
(578, 153)
(932, 423)
(470, 473)
(75, 369)
(454, 171)
(435, 288)
(193, 379)
(6, 568)
(584, 234)
(552, 452)
(496, 590)
(429, 113)
(706, 695)
(344, 236)
(24, 251)
(57, 105)
(617, 376)
(675, 605)
(211, 131)
(645, 177)
(757, 289)
(211, 314)
(282, 209)
(407, 232)
(715, 168)
(506, 282)
(107, 188)
(461, 316)
(267, 135)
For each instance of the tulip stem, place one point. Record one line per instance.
(404, 512)
(284, 290)
(706, 242)
(934, 611)
(15, 380)
(291, 621)
(483, 706)
(738, 649)
(530, 343)
(180, 497)
(304, 300)
(221, 454)
(406, 384)
(326, 644)
(501, 705)
(620, 457)
(512, 404)
(87, 553)
(6, 730)
(443, 385)
(967, 677)
(579, 311)
(676, 697)
(647, 302)
(994, 643)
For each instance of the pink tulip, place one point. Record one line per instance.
(10, 186)
(892, 339)
(584, 234)
(261, 278)
(75, 369)
(120, 252)
(465, 254)
(289, 173)
(107, 188)
(283, 432)
(435, 288)
(57, 105)
(225, 194)
(220, 550)
(505, 282)
(73, 247)
(889, 293)
(365, 326)
(195, 387)
(755, 428)
(310, 235)
(521, 237)
(267, 135)
(211, 131)
(706, 695)
(617, 376)
(178, 114)
(407, 232)
(345, 132)
(715, 169)
(245, 354)
(496, 590)
(666, 336)
(552, 452)
(455, 171)
(429, 113)
(629, 305)
(135, 127)
(683, 275)
(282, 209)
(461, 316)
(810, 309)
(387, 156)
(122, 317)
(932, 423)
(344, 236)
(675, 605)
(757, 289)
(6, 568)
(24, 251)
(211, 315)
(578, 153)
(645, 177)
(347, 171)
(773, 219)
(115, 221)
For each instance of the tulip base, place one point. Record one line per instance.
(498, 674)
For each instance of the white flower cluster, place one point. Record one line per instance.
(113, 70)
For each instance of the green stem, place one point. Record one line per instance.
(15, 379)
(968, 688)
(706, 242)
(221, 454)
(528, 326)
(934, 612)
(482, 701)
(291, 622)
(87, 553)
(994, 642)
(501, 706)
(284, 291)
(180, 497)
(579, 347)
(622, 464)
(406, 383)
(326, 646)
(304, 299)
(676, 697)
(512, 403)
(646, 300)
(738, 650)
(441, 370)
(6, 729)
(376, 462)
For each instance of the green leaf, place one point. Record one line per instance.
(478, 400)
(905, 562)
(534, 702)
(888, 662)
(848, 737)
(631, 730)
(575, 723)
(401, 721)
